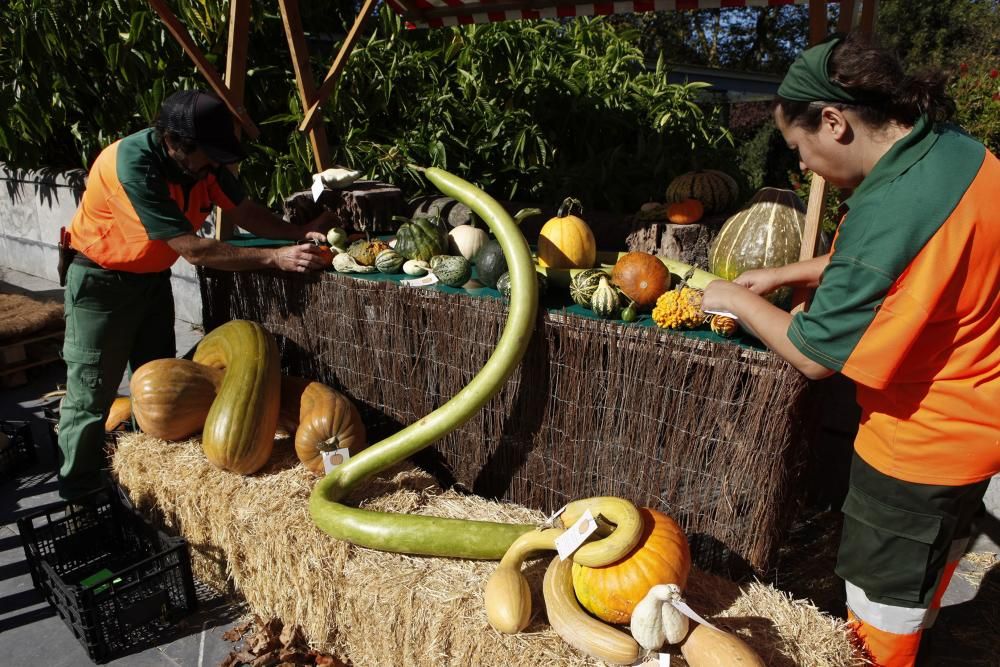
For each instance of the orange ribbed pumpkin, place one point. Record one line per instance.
(661, 557)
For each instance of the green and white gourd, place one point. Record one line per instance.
(766, 233)
(416, 267)
(605, 302)
(451, 270)
(503, 285)
(389, 261)
(583, 285)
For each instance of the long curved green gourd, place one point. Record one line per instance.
(424, 535)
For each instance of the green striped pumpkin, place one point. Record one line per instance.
(766, 233)
(389, 261)
(605, 301)
(716, 190)
(583, 284)
(503, 285)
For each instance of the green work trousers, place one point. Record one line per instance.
(113, 318)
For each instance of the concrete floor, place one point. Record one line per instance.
(31, 632)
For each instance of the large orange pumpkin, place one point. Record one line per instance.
(171, 398)
(642, 277)
(326, 421)
(566, 241)
(661, 557)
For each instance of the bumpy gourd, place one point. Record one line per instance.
(679, 309)
(656, 621)
(451, 270)
(239, 430)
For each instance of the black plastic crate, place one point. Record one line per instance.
(20, 449)
(118, 583)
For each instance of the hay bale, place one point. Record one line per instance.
(376, 608)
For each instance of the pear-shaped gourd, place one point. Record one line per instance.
(604, 301)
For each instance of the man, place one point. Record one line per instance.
(147, 196)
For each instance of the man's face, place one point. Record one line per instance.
(195, 163)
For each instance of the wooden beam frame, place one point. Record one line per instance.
(292, 20)
(183, 38)
(333, 75)
(236, 76)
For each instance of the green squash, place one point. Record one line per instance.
(421, 239)
(452, 271)
(389, 261)
(503, 285)
(605, 301)
(717, 191)
(491, 263)
(583, 284)
(766, 233)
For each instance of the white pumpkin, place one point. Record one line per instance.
(466, 240)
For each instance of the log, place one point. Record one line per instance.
(363, 206)
(688, 243)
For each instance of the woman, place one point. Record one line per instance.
(906, 306)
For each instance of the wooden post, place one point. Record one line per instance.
(848, 12)
(183, 38)
(817, 21)
(236, 76)
(333, 75)
(869, 10)
(292, 20)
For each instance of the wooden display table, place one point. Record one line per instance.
(704, 429)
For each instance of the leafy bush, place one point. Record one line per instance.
(977, 96)
(532, 110)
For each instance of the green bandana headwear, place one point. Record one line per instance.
(808, 79)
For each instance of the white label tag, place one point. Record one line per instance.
(690, 613)
(550, 521)
(657, 660)
(317, 187)
(576, 535)
(335, 458)
(724, 313)
(422, 281)
(664, 660)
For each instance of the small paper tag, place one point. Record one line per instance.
(550, 521)
(664, 660)
(690, 613)
(576, 535)
(654, 660)
(723, 313)
(422, 281)
(335, 458)
(317, 187)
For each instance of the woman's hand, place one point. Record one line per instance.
(723, 296)
(299, 258)
(760, 281)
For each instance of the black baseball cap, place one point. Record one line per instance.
(204, 119)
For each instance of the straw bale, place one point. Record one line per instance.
(21, 316)
(374, 608)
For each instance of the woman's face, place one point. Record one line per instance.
(826, 150)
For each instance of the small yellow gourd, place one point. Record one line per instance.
(655, 620)
(566, 241)
(508, 597)
(707, 647)
(578, 628)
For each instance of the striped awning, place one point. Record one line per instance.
(440, 13)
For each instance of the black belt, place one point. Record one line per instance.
(83, 260)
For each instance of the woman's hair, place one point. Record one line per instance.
(875, 75)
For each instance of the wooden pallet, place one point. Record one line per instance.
(18, 356)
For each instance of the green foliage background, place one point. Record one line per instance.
(530, 110)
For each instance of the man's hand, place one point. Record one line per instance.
(723, 296)
(320, 225)
(299, 258)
